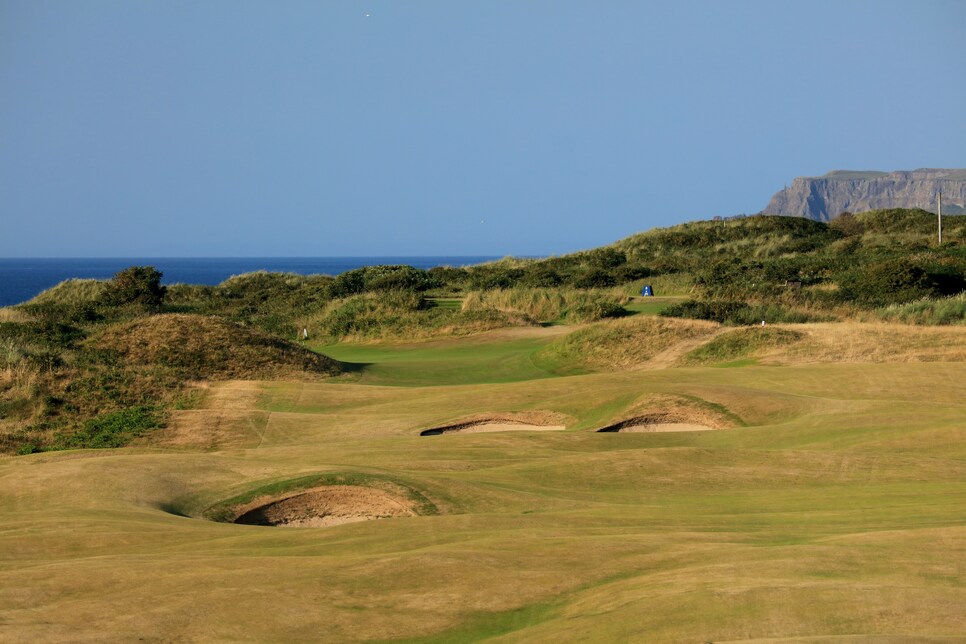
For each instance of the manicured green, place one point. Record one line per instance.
(440, 363)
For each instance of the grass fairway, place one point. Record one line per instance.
(830, 507)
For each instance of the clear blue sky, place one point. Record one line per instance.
(408, 127)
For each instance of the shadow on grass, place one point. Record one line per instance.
(354, 367)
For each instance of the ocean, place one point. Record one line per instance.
(22, 279)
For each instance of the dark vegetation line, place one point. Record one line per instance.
(98, 363)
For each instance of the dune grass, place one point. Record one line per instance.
(944, 311)
(549, 305)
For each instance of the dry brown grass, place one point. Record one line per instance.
(9, 314)
(658, 343)
(208, 347)
(869, 342)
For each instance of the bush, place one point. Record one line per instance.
(892, 281)
(734, 312)
(491, 277)
(541, 277)
(389, 277)
(606, 258)
(596, 310)
(137, 285)
(595, 278)
(847, 224)
(714, 310)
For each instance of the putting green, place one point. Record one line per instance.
(490, 360)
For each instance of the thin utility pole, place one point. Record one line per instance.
(940, 215)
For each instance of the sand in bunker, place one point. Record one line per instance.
(326, 506)
(480, 428)
(507, 427)
(664, 427)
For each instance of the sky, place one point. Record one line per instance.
(180, 128)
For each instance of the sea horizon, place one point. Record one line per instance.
(22, 278)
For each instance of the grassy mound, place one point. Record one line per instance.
(742, 343)
(72, 291)
(203, 347)
(622, 344)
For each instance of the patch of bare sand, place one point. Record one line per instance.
(326, 506)
(508, 422)
(663, 427)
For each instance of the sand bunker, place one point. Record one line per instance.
(534, 421)
(326, 506)
(656, 423)
(480, 428)
(660, 427)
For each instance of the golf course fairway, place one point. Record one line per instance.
(820, 501)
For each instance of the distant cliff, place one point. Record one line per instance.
(824, 197)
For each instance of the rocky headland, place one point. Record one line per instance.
(822, 198)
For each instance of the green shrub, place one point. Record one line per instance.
(714, 310)
(541, 277)
(594, 278)
(114, 429)
(735, 312)
(891, 281)
(381, 278)
(595, 310)
(605, 258)
(136, 285)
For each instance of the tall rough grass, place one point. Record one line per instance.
(550, 304)
(10, 314)
(399, 315)
(944, 311)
